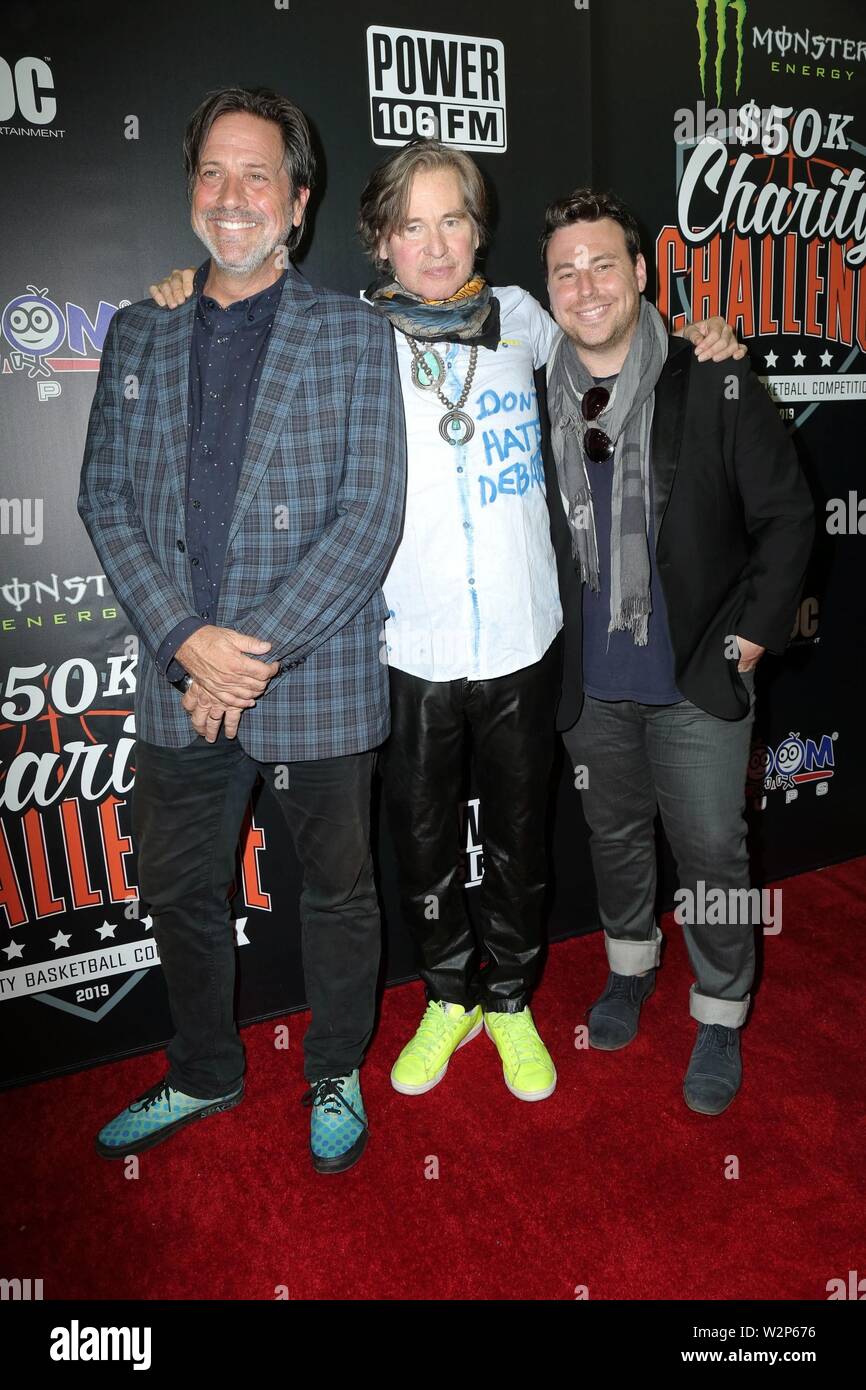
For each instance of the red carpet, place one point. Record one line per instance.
(612, 1184)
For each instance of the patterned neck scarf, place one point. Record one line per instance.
(469, 316)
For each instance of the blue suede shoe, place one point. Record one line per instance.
(338, 1122)
(614, 1017)
(156, 1116)
(715, 1069)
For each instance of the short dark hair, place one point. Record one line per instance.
(589, 205)
(300, 162)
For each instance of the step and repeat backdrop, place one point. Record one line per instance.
(737, 132)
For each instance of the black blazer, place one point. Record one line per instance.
(734, 524)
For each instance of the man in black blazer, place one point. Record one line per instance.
(683, 527)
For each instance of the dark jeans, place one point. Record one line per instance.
(511, 722)
(188, 805)
(690, 766)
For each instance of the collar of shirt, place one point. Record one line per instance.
(245, 311)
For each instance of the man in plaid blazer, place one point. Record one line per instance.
(243, 485)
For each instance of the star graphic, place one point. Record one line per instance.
(13, 950)
(106, 930)
(799, 359)
(147, 922)
(826, 359)
(59, 941)
(771, 359)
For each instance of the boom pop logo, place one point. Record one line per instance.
(34, 329)
(797, 762)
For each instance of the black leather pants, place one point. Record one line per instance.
(511, 724)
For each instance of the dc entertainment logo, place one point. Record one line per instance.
(27, 91)
(448, 86)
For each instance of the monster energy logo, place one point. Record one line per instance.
(739, 8)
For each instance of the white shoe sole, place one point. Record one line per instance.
(515, 1091)
(426, 1086)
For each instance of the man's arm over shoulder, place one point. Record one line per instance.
(778, 512)
(346, 565)
(107, 505)
(520, 307)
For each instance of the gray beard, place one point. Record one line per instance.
(254, 261)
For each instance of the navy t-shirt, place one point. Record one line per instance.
(614, 667)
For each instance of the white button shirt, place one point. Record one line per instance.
(472, 590)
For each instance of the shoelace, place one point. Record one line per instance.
(622, 985)
(328, 1090)
(432, 1028)
(522, 1040)
(718, 1038)
(161, 1091)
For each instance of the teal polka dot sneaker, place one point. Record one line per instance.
(156, 1116)
(338, 1122)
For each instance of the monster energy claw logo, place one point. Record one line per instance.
(739, 8)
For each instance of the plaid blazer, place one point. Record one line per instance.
(317, 515)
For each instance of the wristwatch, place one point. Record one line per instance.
(183, 684)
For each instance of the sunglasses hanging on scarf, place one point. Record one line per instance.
(596, 444)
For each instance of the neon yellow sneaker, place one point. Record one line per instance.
(526, 1063)
(424, 1060)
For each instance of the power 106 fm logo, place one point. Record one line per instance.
(43, 341)
(447, 86)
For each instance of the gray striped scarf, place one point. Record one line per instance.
(627, 420)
